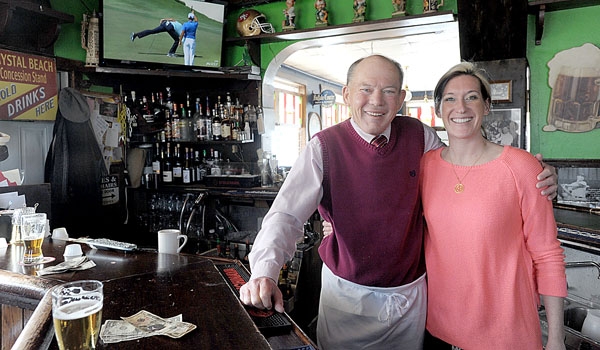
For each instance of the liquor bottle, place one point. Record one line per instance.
(155, 108)
(207, 126)
(215, 168)
(169, 101)
(219, 105)
(168, 126)
(156, 165)
(186, 173)
(228, 250)
(216, 127)
(207, 106)
(161, 102)
(183, 124)
(209, 161)
(274, 163)
(177, 166)
(228, 104)
(133, 106)
(199, 132)
(204, 170)
(219, 251)
(247, 131)
(238, 109)
(193, 173)
(175, 127)
(191, 125)
(236, 251)
(197, 166)
(266, 174)
(167, 169)
(225, 126)
(133, 101)
(147, 113)
(235, 131)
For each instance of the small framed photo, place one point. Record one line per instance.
(578, 183)
(505, 127)
(501, 91)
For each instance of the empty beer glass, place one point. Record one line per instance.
(77, 314)
(33, 230)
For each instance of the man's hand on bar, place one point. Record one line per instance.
(262, 293)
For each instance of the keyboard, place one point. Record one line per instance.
(109, 244)
(269, 322)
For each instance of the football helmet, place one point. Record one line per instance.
(252, 22)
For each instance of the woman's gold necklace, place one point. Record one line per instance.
(459, 187)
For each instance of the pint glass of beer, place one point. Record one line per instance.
(77, 314)
(33, 230)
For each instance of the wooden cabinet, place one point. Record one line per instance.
(30, 25)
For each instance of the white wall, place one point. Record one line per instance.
(27, 148)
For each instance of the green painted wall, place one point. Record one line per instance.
(68, 44)
(562, 30)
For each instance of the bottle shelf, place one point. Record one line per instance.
(224, 73)
(199, 142)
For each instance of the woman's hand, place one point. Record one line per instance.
(327, 228)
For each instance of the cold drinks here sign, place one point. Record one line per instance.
(28, 87)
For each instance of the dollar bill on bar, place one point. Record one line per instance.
(151, 323)
(116, 331)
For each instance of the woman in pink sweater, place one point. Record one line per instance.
(491, 245)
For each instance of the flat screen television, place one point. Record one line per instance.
(120, 19)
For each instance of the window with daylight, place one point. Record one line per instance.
(336, 113)
(290, 128)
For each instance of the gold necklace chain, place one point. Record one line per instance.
(459, 187)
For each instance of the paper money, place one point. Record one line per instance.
(143, 324)
(115, 331)
(151, 323)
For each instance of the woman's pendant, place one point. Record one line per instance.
(459, 188)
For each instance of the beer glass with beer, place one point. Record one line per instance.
(33, 230)
(77, 314)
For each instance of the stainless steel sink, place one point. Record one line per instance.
(575, 314)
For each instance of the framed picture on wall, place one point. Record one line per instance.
(501, 91)
(578, 183)
(505, 127)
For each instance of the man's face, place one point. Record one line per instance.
(374, 94)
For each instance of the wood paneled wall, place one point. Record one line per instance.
(492, 30)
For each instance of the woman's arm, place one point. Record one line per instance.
(555, 315)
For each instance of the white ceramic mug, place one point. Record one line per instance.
(168, 241)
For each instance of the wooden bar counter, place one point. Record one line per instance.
(166, 285)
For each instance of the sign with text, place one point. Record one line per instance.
(326, 98)
(28, 87)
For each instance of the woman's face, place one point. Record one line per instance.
(463, 108)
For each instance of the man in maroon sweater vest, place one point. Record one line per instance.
(373, 292)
